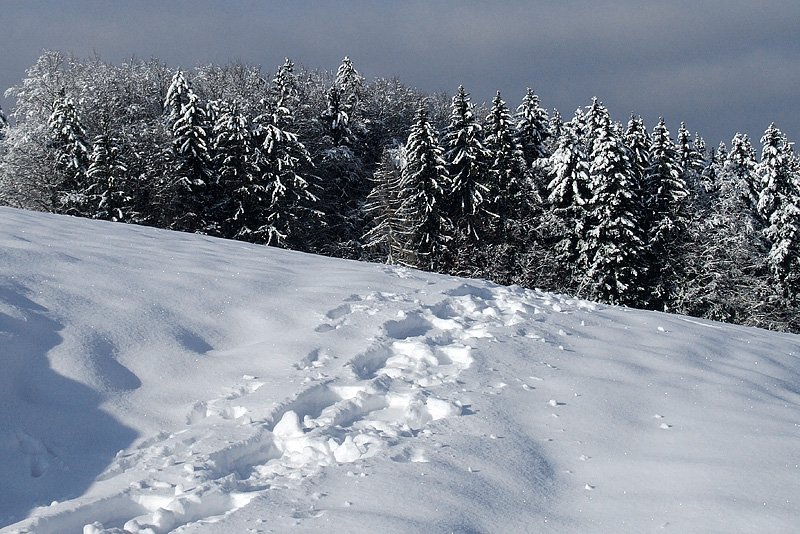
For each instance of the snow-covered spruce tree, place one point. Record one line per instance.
(509, 187)
(281, 160)
(690, 157)
(637, 141)
(692, 160)
(594, 119)
(350, 84)
(611, 254)
(337, 116)
(568, 193)
(389, 230)
(177, 96)
(779, 208)
(285, 94)
(729, 282)
(739, 172)
(187, 194)
(466, 158)
(108, 192)
(425, 182)
(241, 200)
(667, 219)
(532, 128)
(343, 177)
(69, 141)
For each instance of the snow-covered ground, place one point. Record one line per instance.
(160, 382)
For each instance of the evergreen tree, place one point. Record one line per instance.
(665, 195)
(556, 125)
(343, 177)
(241, 198)
(690, 153)
(69, 140)
(177, 96)
(389, 232)
(281, 160)
(285, 94)
(510, 191)
(637, 140)
(108, 192)
(532, 128)
(337, 117)
(729, 282)
(779, 207)
(569, 191)
(188, 191)
(425, 182)
(349, 83)
(692, 162)
(594, 119)
(612, 251)
(467, 158)
(740, 172)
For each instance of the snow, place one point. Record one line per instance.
(158, 382)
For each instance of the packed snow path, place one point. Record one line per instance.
(255, 390)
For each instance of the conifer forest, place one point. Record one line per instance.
(646, 216)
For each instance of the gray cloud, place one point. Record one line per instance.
(721, 66)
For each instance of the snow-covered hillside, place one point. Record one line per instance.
(160, 382)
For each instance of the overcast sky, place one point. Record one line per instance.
(721, 66)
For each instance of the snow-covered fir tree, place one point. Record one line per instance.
(779, 207)
(739, 171)
(728, 280)
(177, 96)
(611, 253)
(71, 146)
(467, 199)
(349, 83)
(425, 182)
(388, 234)
(285, 94)
(569, 184)
(691, 158)
(108, 193)
(569, 190)
(594, 119)
(510, 189)
(665, 194)
(556, 125)
(281, 160)
(637, 140)
(187, 197)
(241, 199)
(532, 128)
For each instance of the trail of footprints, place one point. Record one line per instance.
(228, 452)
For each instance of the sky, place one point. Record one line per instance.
(721, 66)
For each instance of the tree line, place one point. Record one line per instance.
(326, 162)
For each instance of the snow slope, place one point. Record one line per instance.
(160, 382)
